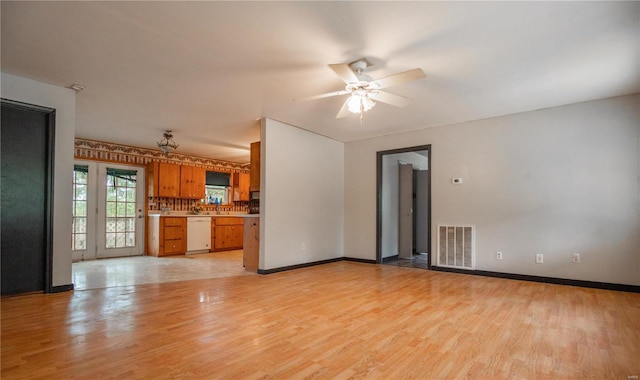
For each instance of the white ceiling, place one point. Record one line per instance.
(209, 70)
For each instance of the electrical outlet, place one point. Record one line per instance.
(575, 258)
(498, 255)
(539, 258)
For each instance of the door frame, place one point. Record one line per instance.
(50, 115)
(379, 181)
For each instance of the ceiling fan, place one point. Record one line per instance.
(364, 90)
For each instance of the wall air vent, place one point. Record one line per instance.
(456, 246)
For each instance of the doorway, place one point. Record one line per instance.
(27, 144)
(404, 207)
(108, 216)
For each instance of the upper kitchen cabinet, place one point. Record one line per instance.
(163, 180)
(241, 187)
(255, 167)
(192, 180)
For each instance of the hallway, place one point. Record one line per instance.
(420, 261)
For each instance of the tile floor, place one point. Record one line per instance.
(126, 271)
(136, 270)
(419, 261)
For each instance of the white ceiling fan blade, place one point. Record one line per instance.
(389, 98)
(344, 111)
(400, 78)
(344, 72)
(327, 95)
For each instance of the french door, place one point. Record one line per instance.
(108, 216)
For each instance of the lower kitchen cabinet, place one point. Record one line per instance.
(251, 245)
(167, 236)
(226, 233)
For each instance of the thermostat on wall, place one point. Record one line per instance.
(456, 181)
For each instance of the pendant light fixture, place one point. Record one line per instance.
(167, 144)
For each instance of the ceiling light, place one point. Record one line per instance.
(360, 102)
(354, 103)
(367, 103)
(167, 144)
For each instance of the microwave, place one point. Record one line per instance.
(254, 202)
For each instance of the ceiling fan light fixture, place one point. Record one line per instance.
(167, 144)
(363, 91)
(360, 103)
(367, 103)
(354, 103)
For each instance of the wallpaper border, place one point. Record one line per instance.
(126, 154)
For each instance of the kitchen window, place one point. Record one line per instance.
(217, 186)
(212, 192)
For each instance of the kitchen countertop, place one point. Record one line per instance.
(184, 214)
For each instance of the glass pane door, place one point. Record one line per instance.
(79, 210)
(83, 245)
(120, 211)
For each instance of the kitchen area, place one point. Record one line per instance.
(193, 210)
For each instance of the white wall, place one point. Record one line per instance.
(390, 190)
(553, 181)
(302, 187)
(63, 100)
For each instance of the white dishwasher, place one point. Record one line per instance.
(198, 234)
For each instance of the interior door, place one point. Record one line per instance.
(405, 211)
(421, 211)
(120, 216)
(26, 229)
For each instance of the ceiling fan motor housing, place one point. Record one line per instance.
(359, 66)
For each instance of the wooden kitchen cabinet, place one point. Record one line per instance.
(254, 161)
(251, 244)
(192, 182)
(167, 236)
(241, 187)
(175, 181)
(173, 236)
(226, 233)
(163, 180)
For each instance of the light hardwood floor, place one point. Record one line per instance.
(339, 320)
